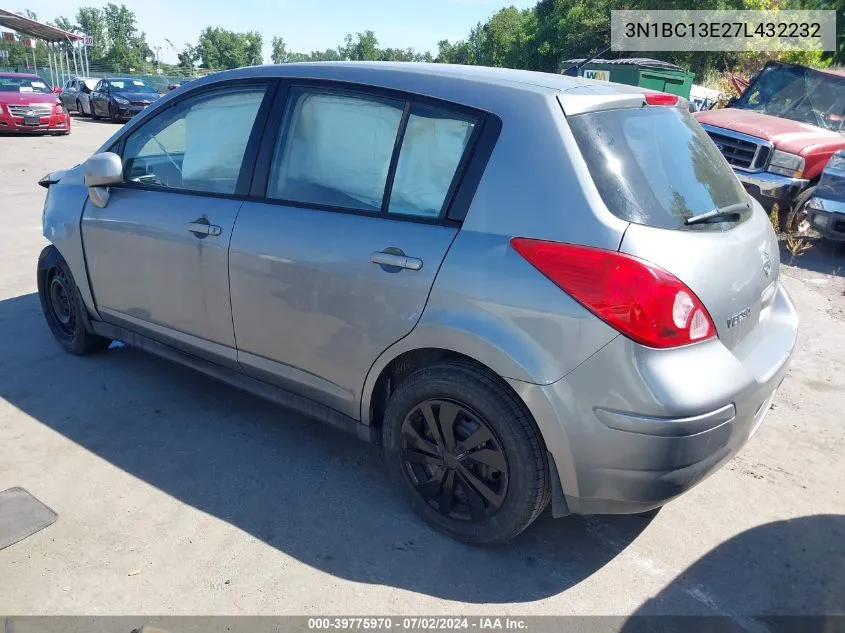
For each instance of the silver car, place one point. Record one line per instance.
(529, 288)
(76, 95)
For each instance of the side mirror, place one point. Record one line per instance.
(57, 89)
(101, 171)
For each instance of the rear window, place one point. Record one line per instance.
(656, 166)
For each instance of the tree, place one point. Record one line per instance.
(187, 59)
(279, 53)
(364, 48)
(219, 49)
(65, 24)
(90, 21)
(126, 48)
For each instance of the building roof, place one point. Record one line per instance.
(644, 62)
(35, 29)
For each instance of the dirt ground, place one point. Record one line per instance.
(178, 495)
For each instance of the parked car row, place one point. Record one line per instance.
(114, 98)
(531, 289)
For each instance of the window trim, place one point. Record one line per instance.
(248, 163)
(464, 182)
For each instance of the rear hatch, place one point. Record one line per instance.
(655, 167)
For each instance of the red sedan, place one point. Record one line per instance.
(27, 104)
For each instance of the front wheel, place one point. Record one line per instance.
(62, 306)
(797, 221)
(467, 455)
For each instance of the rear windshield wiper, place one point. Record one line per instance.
(722, 213)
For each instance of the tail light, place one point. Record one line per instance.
(661, 98)
(642, 301)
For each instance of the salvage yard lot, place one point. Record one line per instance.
(176, 494)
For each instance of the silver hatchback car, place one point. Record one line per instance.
(528, 287)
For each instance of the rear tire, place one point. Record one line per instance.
(62, 305)
(484, 477)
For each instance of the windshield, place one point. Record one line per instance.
(23, 84)
(798, 93)
(656, 166)
(129, 85)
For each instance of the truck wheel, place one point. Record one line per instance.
(62, 305)
(466, 454)
(796, 220)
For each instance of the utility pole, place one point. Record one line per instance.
(158, 65)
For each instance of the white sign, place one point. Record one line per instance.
(4, 54)
(88, 40)
(601, 75)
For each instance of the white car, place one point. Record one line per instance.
(76, 95)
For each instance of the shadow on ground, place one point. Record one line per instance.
(825, 257)
(323, 498)
(312, 492)
(778, 577)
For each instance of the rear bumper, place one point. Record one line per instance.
(827, 217)
(632, 428)
(769, 188)
(15, 125)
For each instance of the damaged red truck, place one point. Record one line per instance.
(779, 135)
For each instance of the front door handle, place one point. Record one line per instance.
(395, 260)
(202, 228)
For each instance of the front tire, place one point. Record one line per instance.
(466, 454)
(796, 220)
(62, 305)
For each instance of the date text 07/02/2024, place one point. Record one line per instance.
(415, 623)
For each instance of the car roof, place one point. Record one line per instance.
(396, 75)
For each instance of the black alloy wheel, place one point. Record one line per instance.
(454, 461)
(63, 307)
(60, 302)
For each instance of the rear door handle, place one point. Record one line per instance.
(396, 260)
(201, 228)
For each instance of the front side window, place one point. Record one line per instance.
(198, 145)
(336, 150)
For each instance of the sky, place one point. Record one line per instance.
(305, 25)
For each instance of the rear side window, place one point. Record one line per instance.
(432, 148)
(361, 152)
(336, 151)
(656, 166)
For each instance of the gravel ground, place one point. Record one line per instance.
(178, 495)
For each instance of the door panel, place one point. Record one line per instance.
(147, 266)
(311, 310)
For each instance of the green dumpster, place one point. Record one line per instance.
(653, 74)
